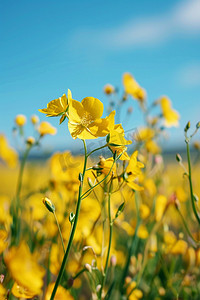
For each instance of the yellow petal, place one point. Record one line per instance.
(76, 111)
(93, 106)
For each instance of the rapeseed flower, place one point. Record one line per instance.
(85, 119)
(133, 171)
(171, 116)
(46, 128)
(132, 88)
(20, 120)
(58, 106)
(117, 143)
(7, 154)
(24, 269)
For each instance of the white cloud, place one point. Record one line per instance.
(190, 75)
(183, 19)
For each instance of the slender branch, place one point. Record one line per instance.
(73, 227)
(59, 231)
(190, 182)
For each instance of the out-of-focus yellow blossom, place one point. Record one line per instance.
(58, 106)
(142, 232)
(2, 292)
(24, 269)
(198, 257)
(136, 295)
(61, 293)
(196, 145)
(132, 88)
(146, 135)
(143, 134)
(30, 140)
(169, 238)
(144, 211)
(131, 285)
(170, 115)
(161, 202)
(127, 227)
(5, 217)
(35, 119)
(85, 120)
(46, 128)
(190, 257)
(20, 120)
(3, 238)
(187, 280)
(20, 291)
(133, 171)
(180, 247)
(153, 243)
(152, 147)
(161, 291)
(7, 154)
(108, 89)
(117, 143)
(149, 187)
(181, 194)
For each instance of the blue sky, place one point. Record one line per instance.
(50, 46)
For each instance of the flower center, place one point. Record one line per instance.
(86, 119)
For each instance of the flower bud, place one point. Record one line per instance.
(49, 205)
(34, 119)
(178, 157)
(88, 268)
(20, 120)
(187, 126)
(198, 125)
(30, 140)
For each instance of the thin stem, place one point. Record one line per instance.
(134, 243)
(17, 205)
(73, 227)
(110, 238)
(190, 182)
(59, 232)
(186, 227)
(79, 273)
(96, 150)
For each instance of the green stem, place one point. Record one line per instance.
(110, 238)
(79, 273)
(186, 227)
(59, 232)
(73, 228)
(134, 243)
(190, 182)
(96, 150)
(17, 204)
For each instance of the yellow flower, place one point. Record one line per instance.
(7, 154)
(46, 128)
(133, 170)
(24, 269)
(108, 89)
(20, 291)
(142, 232)
(85, 119)
(117, 142)
(61, 293)
(161, 202)
(144, 211)
(2, 292)
(30, 140)
(34, 119)
(105, 166)
(3, 238)
(58, 106)
(20, 120)
(132, 88)
(170, 115)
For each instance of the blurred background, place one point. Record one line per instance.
(50, 46)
